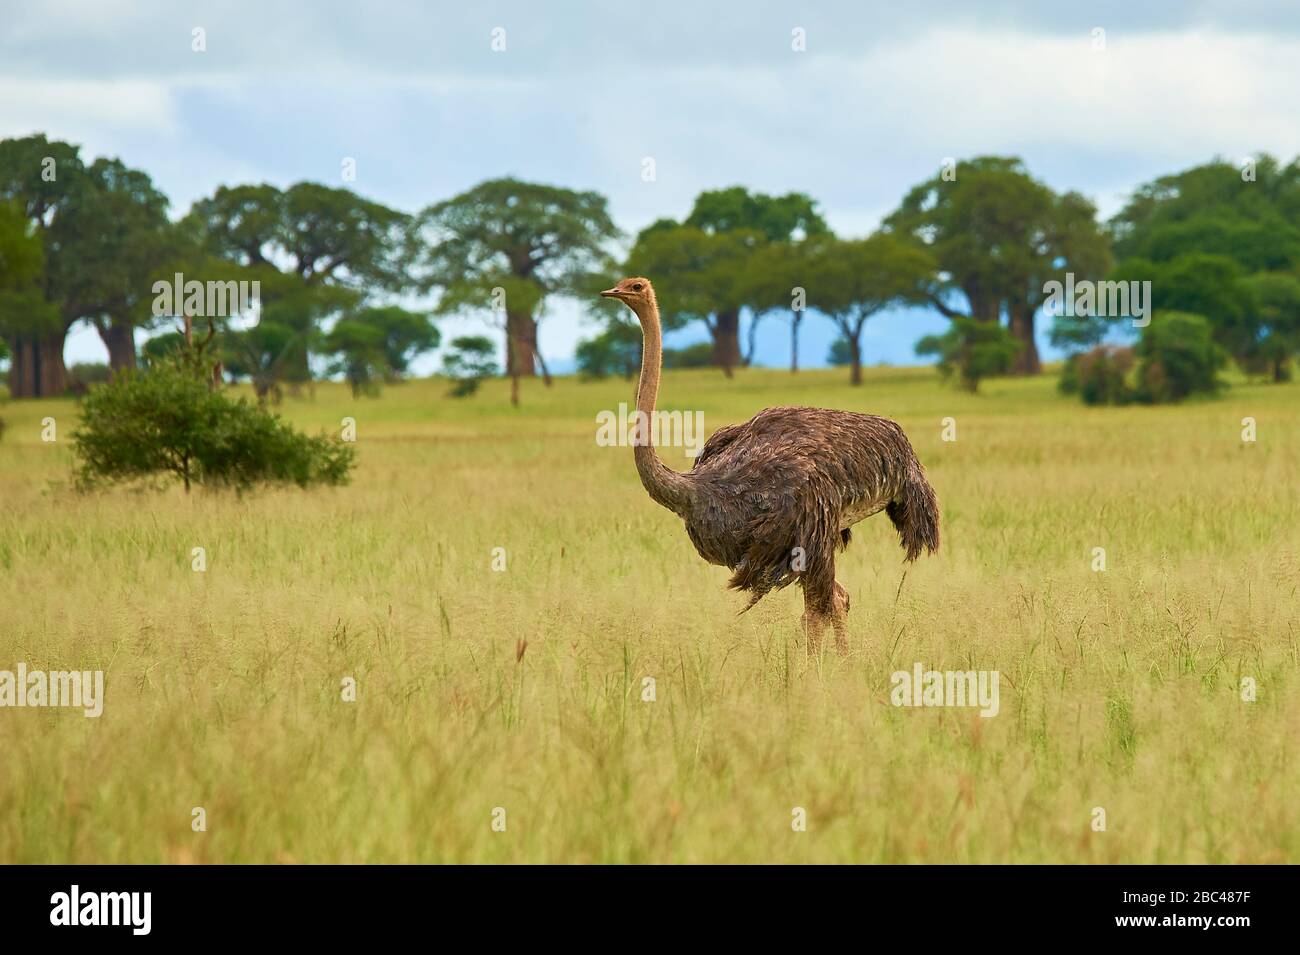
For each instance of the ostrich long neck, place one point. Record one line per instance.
(665, 486)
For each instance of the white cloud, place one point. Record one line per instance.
(76, 107)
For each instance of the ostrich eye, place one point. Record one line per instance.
(636, 286)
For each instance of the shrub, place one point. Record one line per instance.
(692, 356)
(1100, 375)
(468, 363)
(840, 354)
(616, 350)
(1179, 358)
(972, 350)
(84, 374)
(168, 421)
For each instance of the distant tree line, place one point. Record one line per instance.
(981, 242)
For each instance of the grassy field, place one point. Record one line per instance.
(1119, 689)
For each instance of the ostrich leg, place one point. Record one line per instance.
(839, 611)
(814, 623)
(825, 602)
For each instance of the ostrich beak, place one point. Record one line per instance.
(610, 292)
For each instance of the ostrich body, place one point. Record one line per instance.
(773, 499)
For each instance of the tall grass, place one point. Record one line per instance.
(1120, 689)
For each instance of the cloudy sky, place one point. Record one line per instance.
(713, 92)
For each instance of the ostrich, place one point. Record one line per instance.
(773, 499)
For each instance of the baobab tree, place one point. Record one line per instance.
(998, 236)
(506, 246)
(708, 256)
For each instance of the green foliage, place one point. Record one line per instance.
(697, 274)
(1221, 243)
(105, 231)
(714, 263)
(84, 374)
(554, 238)
(1275, 298)
(23, 308)
(266, 354)
(971, 350)
(998, 236)
(849, 281)
(1074, 333)
(840, 354)
(161, 348)
(331, 236)
(699, 355)
(615, 351)
(1179, 358)
(374, 344)
(166, 421)
(317, 251)
(1215, 209)
(1100, 375)
(467, 363)
(775, 218)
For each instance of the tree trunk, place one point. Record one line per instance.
(541, 362)
(514, 348)
(795, 319)
(1022, 327)
(37, 369)
(120, 341)
(855, 360)
(726, 340)
(751, 340)
(521, 332)
(983, 306)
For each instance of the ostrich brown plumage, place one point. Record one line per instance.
(773, 499)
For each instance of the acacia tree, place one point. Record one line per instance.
(776, 272)
(725, 229)
(316, 250)
(371, 344)
(851, 280)
(698, 277)
(998, 236)
(505, 247)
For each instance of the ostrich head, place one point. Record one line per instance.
(636, 293)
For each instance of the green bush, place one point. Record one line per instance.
(616, 350)
(166, 421)
(1179, 358)
(972, 350)
(467, 363)
(1099, 376)
(84, 374)
(691, 356)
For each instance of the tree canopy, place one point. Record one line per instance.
(505, 246)
(998, 236)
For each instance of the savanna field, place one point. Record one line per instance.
(1120, 689)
